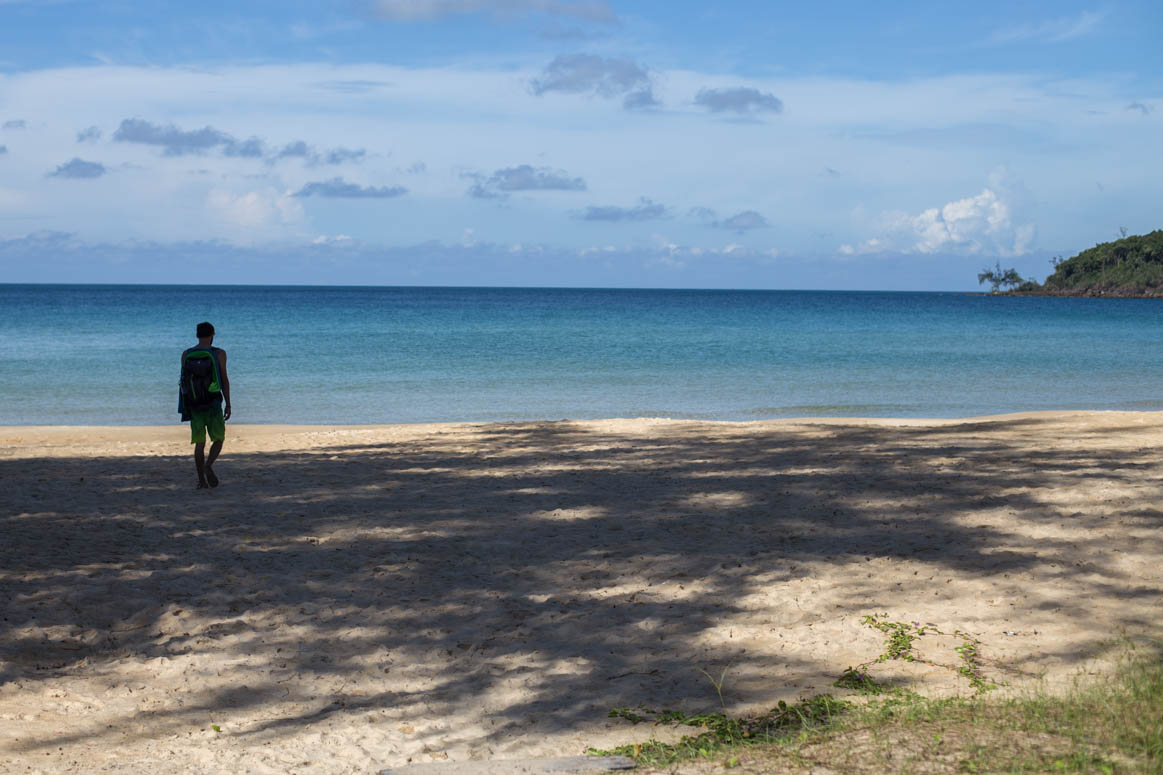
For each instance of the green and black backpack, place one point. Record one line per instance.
(201, 388)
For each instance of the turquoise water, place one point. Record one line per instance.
(108, 355)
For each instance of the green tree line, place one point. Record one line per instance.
(1129, 266)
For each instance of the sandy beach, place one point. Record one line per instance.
(355, 598)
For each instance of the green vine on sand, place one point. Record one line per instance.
(898, 644)
(783, 721)
(971, 666)
(859, 681)
(901, 636)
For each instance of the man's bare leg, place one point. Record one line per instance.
(200, 464)
(215, 448)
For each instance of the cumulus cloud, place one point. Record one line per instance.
(15, 123)
(248, 210)
(748, 219)
(524, 178)
(425, 10)
(178, 142)
(742, 100)
(976, 224)
(253, 209)
(1049, 31)
(90, 135)
(1144, 109)
(591, 74)
(79, 169)
(338, 187)
(645, 210)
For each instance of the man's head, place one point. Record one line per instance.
(205, 331)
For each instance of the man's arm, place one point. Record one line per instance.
(224, 382)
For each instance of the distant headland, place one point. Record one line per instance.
(1130, 267)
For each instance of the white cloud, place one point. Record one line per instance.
(250, 209)
(604, 249)
(253, 211)
(978, 224)
(338, 239)
(483, 118)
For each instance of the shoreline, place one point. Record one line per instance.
(153, 432)
(360, 597)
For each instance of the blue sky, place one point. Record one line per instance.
(578, 143)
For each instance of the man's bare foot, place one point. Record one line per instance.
(211, 477)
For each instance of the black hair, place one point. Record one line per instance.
(205, 330)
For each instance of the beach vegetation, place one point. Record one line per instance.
(900, 637)
(999, 279)
(1129, 266)
(1110, 725)
(719, 736)
(718, 684)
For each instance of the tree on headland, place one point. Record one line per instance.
(1129, 266)
(999, 278)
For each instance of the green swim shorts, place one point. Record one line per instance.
(210, 420)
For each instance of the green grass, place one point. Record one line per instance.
(1113, 725)
(721, 734)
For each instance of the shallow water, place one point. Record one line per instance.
(108, 355)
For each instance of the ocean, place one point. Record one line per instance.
(108, 355)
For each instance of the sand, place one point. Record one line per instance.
(358, 598)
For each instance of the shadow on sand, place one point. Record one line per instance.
(528, 557)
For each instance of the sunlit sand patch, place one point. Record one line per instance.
(719, 500)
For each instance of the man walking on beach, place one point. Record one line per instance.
(204, 388)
